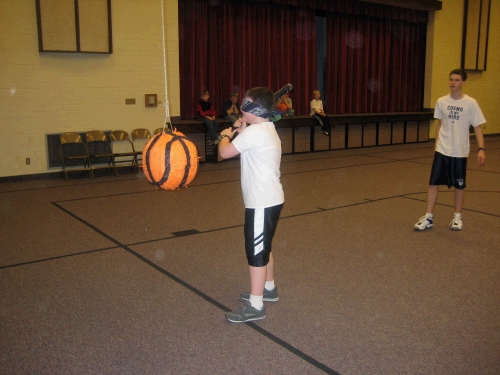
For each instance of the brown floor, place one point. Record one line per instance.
(109, 276)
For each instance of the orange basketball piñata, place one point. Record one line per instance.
(170, 161)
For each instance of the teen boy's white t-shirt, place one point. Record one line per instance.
(260, 155)
(456, 117)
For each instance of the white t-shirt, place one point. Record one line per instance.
(260, 149)
(456, 117)
(318, 104)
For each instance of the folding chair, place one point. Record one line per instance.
(101, 156)
(123, 149)
(140, 137)
(74, 154)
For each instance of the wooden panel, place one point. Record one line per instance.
(369, 135)
(74, 26)
(398, 132)
(483, 35)
(285, 135)
(423, 131)
(384, 133)
(355, 133)
(321, 141)
(198, 140)
(57, 26)
(338, 137)
(475, 34)
(302, 139)
(471, 35)
(93, 17)
(411, 131)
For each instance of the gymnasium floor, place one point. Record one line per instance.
(109, 276)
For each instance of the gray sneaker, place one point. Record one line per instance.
(456, 223)
(246, 313)
(424, 222)
(269, 295)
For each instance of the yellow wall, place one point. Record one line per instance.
(43, 93)
(444, 48)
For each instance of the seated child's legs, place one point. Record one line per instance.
(212, 127)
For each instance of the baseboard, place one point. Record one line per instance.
(31, 177)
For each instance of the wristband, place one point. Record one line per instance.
(223, 136)
(481, 148)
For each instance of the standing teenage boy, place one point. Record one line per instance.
(455, 112)
(260, 150)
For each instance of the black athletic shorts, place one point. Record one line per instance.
(260, 225)
(448, 170)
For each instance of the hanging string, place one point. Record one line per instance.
(167, 110)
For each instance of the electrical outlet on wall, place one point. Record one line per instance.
(28, 161)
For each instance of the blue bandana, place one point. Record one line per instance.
(254, 109)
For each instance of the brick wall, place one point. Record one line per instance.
(56, 92)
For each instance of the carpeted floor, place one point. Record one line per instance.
(109, 276)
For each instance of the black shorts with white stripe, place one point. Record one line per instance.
(260, 225)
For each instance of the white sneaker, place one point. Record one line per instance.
(456, 222)
(424, 222)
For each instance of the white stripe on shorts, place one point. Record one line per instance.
(258, 230)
